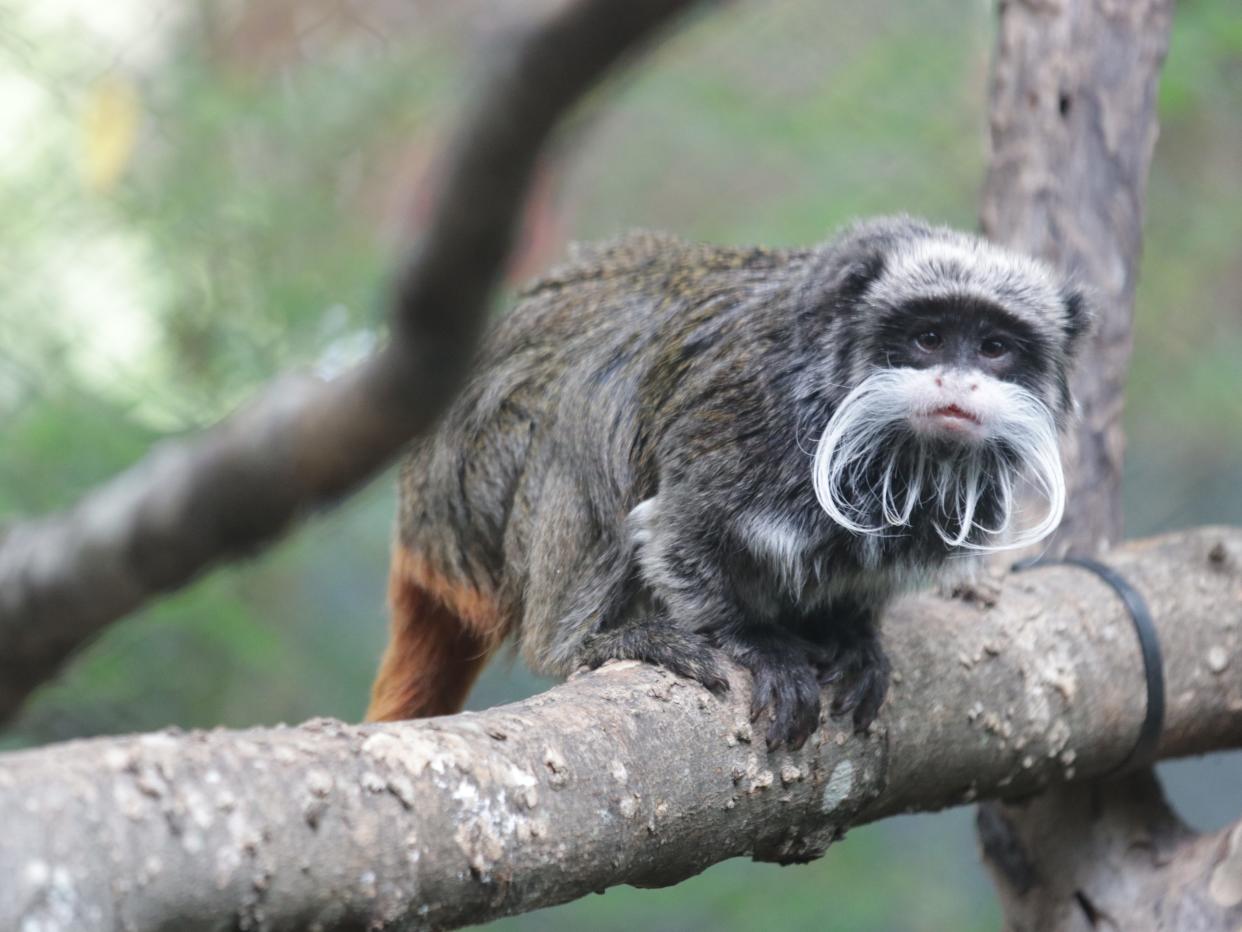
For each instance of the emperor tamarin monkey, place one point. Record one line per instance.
(672, 452)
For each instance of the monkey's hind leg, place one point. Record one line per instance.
(439, 639)
(655, 639)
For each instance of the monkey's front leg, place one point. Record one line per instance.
(786, 675)
(701, 586)
(838, 646)
(785, 670)
(852, 659)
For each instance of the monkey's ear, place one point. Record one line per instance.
(858, 275)
(1079, 315)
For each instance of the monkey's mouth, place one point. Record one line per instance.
(950, 413)
(951, 420)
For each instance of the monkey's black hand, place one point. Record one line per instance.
(655, 639)
(786, 685)
(859, 670)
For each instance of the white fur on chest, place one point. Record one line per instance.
(787, 553)
(780, 547)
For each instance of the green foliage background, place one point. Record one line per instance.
(196, 197)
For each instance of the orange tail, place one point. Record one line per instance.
(439, 640)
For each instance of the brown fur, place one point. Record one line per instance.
(440, 637)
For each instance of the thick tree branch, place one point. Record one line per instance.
(626, 775)
(305, 443)
(1073, 113)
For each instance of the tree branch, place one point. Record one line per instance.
(305, 443)
(1073, 116)
(625, 775)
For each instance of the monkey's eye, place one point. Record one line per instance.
(993, 348)
(929, 341)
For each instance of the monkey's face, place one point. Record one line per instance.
(956, 406)
(962, 352)
(952, 356)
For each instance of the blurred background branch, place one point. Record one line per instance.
(306, 442)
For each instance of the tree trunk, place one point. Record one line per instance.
(1073, 115)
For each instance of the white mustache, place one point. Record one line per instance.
(869, 435)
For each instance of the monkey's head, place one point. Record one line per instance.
(956, 358)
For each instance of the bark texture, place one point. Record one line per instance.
(305, 443)
(1073, 127)
(1073, 118)
(625, 775)
(1130, 863)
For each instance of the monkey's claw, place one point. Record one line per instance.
(860, 672)
(791, 694)
(785, 686)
